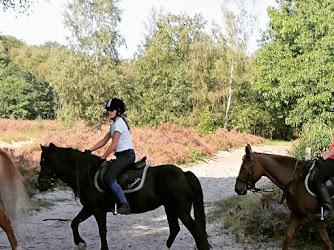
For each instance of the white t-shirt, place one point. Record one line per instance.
(124, 142)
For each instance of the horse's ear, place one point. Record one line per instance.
(249, 153)
(52, 146)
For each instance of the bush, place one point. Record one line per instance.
(317, 136)
(207, 124)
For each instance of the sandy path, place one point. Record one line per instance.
(143, 231)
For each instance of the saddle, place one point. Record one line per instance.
(309, 181)
(131, 180)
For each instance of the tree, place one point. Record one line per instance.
(230, 68)
(24, 94)
(166, 68)
(294, 72)
(86, 73)
(93, 25)
(18, 6)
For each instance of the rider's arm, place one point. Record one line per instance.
(112, 146)
(101, 143)
(328, 154)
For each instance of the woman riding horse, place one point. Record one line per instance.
(122, 145)
(325, 169)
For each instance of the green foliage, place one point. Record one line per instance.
(93, 25)
(294, 69)
(315, 134)
(207, 124)
(248, 115)
(22, 95)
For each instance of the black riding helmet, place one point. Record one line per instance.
(115, 104)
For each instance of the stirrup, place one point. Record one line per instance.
(321, 215)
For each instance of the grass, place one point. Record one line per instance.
(275, 142)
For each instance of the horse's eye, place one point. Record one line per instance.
(242, 167)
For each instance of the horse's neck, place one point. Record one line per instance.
(277, 168)
(80, 165)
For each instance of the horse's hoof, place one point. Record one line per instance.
(81, 246)
(165, 248)
(18, 248)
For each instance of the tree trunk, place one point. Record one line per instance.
(229, 93)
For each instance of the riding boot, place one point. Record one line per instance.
(124, 208)
(325, 201)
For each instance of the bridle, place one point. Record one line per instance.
(249, 185)
(51, 181)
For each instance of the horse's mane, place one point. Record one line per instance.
(79, 162)
(275, 156)
(77, 152)
(12, 192)
(304, 165)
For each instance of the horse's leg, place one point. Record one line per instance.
(319, 226)
(174, 227)
(6, 226)
(101, 219)
(83, 215)
(295, 220)
(200, 239)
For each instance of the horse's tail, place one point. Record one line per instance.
(12, 192)
(198, 200)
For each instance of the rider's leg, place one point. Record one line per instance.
(117, 190)
(122, 161)
(324, 172)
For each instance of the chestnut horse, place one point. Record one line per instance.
(288, 174)
(12, 196)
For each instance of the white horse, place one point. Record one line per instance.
(12, 197)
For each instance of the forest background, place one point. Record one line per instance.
(182, 74)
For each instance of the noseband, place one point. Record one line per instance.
(50, 181)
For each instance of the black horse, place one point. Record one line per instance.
(165, 185)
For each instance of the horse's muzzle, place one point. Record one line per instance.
(42, 186)
(240, 190)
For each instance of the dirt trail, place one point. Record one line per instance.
(144, 231)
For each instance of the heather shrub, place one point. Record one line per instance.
(168, 143)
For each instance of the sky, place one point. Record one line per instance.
(45, 21)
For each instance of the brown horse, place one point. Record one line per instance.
(286, 173)
(12, 196)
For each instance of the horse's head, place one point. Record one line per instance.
(47, 174)
(247, 178)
